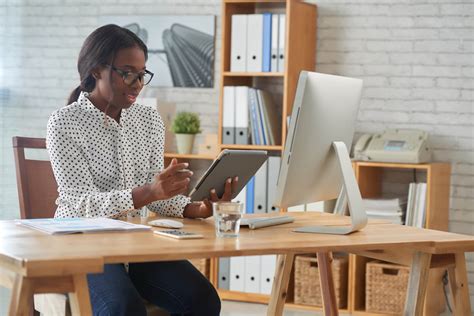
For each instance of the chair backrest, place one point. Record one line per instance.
(37, 187)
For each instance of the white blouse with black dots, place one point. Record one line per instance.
(97, 161)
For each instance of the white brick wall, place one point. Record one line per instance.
(415, 56)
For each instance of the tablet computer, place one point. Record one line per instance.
(229, 164)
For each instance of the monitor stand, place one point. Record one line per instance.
(350, 190)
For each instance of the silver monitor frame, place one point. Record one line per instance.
(315, 163)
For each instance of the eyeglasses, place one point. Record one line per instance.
(130, 77)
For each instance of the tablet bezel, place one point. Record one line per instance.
(209, 178)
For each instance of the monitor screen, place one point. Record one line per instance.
(324, 111)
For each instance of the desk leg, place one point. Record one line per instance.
(80, 299)
(459, 286)
(417, 284)
(327, 284)
(280, 285)
(21, 302)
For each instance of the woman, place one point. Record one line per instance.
(103, 147)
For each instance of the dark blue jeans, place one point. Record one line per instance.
(176, 286)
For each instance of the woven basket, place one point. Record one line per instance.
(386, 287)
(202, 265)
(307, 285)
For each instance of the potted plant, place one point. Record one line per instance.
(185, 125)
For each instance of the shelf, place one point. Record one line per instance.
(393, 165)
(370, 178)
(255, 147)
(243, 296)
(365, 313)
(312, 308)
(189, 156)
(253, 74)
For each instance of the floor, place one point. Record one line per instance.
(248, 309)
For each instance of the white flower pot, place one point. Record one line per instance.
(184, 143)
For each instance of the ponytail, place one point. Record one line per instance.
(74, 95)
(87, 85)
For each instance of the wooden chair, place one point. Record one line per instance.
(37, 194)
(37, 188)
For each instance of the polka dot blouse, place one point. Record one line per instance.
(97, 161)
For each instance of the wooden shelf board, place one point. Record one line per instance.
(252, 74)
(393, 165)
(311, 308)
(263, 299)
(262, 147)
(189, 156)
(365, 313)
(243, 297)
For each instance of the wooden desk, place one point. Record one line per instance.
(34, 262)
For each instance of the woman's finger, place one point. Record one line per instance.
(213, 195)
(235, 182)
(227, 190)
(181, 175)
(173, 168)
(208, 204)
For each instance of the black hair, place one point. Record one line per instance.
(100, 48)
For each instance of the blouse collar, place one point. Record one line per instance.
(83, 100)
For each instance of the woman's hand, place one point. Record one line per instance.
(203, 209)
(173, 180)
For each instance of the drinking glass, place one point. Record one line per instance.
(227, 217)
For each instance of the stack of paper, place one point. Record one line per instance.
(391, 209)
(416, 206)
(80, 225)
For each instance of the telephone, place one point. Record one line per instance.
(396, 145)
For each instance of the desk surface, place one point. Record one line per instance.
(34, 253)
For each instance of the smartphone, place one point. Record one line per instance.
(178, 234)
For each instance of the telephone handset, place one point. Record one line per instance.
(397, 145)
(361, 145)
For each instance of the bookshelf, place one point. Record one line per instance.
(301, 24)
(299, 55)
(370, 177)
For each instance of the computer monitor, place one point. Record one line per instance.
(315, 165)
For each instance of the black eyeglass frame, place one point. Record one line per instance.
(125, 73)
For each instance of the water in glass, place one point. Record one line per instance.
(227, 217)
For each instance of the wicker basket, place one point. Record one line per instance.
(386, 287)
(307, 285)
(202, 265)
